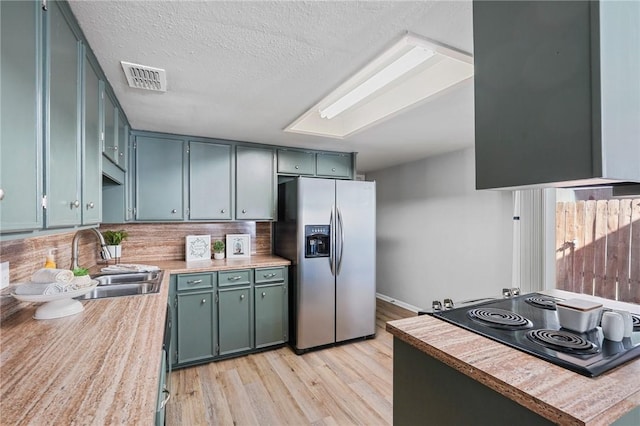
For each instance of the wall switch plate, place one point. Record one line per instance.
(4, 275)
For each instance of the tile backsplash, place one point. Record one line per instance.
(166, 241)
(146, 242)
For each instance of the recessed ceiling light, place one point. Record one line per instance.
(408, 72)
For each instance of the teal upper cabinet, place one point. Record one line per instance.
(123, 140)
(91, 152)
(255, 183)
(110, 145)
(315, 163)
(210, 181)
(296, 162)
(333, 165)
(160, 178)
(20, 139)
(116, 132)
(62, 183)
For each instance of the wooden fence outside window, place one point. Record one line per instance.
(598, 248)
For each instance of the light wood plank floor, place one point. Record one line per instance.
(343, 385)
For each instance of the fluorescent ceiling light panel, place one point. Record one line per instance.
(407, 73)
(391, 72)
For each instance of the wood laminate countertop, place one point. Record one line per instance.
(97, 367)
(555, 393)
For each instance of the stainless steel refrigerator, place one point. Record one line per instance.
(326, 228)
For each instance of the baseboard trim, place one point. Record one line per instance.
(399, 303)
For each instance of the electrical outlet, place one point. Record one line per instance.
(4, 275)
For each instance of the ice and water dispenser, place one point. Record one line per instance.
(317, 240)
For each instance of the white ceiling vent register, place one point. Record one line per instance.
(144, 77)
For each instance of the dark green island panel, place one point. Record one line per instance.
(429, 392)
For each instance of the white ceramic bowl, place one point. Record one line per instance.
(578, 315)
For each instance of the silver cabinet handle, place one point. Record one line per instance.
(223, 211)
(204, 301)
(194, 282)
(244, 210)
(167, 398)
(264, 294)
(75, 204)
(90, 205)
(333, 169)
(297, 167)
(236, 278)
(269, 275)
(1, 194)
(174, 211)
(242, 297)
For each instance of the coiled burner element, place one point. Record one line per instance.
(541, 302)
(562, 341)
(499, 318)
(636, 322)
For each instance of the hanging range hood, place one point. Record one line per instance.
(557, 93)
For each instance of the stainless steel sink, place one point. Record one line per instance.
(134, 277)
(130, 284)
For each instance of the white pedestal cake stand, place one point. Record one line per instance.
(56, 305)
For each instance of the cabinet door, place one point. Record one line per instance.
(270, 314)
(63, 171)
(21, 147)
(162, 392)
(110, 146)
(159, 178)
(296, 162)
(123, 139)
(196, 326)
(91, 153)
(255, 193)
(209, 181)
(333, 165)
(235, 320)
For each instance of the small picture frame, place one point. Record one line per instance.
(197, 247)
(238, 245)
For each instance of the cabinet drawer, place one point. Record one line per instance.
(296, 162)
(196, 281)
(267, 275)
(334, 165)
(226, 278)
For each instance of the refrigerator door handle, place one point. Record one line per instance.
(331, 242)
(341, 246)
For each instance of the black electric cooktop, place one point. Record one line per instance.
(530, 323)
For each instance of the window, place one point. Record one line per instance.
(597, 244)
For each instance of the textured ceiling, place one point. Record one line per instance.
(244, 70)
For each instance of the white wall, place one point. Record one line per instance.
(437, 237)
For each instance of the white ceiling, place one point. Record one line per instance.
(244, 70)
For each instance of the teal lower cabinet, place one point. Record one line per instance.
(228, 313)
(271, 306)
(163, 392)
(195, 314)
(270, 312)
(235, 320)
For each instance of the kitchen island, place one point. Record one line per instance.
(447, 375)
(100, 366)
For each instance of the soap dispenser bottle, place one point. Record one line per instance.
(50, 262)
